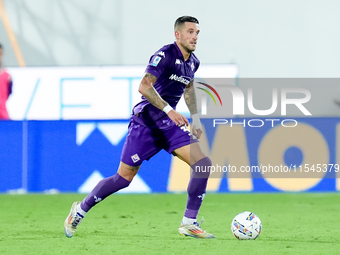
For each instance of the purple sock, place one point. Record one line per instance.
(103, 189)
(197, 187)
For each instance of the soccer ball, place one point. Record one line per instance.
(246, 226)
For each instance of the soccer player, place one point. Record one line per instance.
(5, 89)
(156, 125)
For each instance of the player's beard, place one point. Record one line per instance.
(187, 49)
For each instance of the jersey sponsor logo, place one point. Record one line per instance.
(156, 60)
(179, 79)
(135, 158)
(161, 53)
(178, 62)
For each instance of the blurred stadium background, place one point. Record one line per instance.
(76, 66)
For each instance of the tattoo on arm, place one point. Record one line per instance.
(154, 98)
(151, 77)
(151, 94)
(190, 98)
(134, 168)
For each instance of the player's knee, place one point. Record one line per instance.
(128, 177)
(128, 172)
(201, 169)
(207, 161)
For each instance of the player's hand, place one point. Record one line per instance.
(178, 118)
(196, 126)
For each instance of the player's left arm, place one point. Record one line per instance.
(190, 100)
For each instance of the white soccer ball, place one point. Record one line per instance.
(246, 226)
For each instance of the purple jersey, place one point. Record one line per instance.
(173, 75)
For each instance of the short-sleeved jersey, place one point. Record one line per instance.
(5, 91)
(173, 75)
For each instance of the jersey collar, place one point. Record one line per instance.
(179, 53)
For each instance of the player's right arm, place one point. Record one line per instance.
(150, 93)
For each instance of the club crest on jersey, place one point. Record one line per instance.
(161, 53)
(135, 158)
(192, 66)
(156, 60)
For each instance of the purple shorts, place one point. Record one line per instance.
(143, 142)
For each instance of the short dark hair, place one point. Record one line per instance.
(0, 46)
(181, 20)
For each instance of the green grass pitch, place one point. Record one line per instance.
(147, 224)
